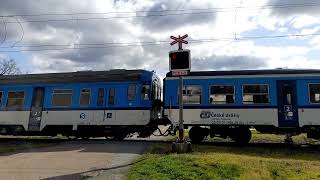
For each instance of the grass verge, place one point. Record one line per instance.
(12, 147)
(256, 138)
(14, 143)
(220, 162)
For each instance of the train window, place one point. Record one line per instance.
(314, 93)
(159, 90)
(112, 94)
(131, 92)
(62, 97)
(1, 98)
(15, 99)
(191, 94)
(100, 97)
(153, 90)
(145, 91)
(221, 94)
(255, 94)
(289, 99)
(85, 97)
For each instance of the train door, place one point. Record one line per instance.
(287, 104)
(36, 109)
(110, 102)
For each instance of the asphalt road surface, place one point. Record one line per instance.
(72, 160)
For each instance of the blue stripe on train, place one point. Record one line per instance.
(115, 108)
(84, 108)
(221, 107)
(237, 107)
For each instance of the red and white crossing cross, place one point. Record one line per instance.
(179, 40)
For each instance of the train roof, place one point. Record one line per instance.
(117, 75)
(252, 72)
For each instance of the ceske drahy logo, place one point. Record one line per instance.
(205, 114)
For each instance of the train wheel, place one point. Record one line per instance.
(241, 136)
(119, 137)
(197, 134)
(72, 137)
(85, 137)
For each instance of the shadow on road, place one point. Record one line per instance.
(126, 146)
(88, 174)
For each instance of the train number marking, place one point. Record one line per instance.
(287, 108)
(109, 115)
(82, 115)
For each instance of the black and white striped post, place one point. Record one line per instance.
(180, 66)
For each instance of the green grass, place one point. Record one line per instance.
(24, 142)
(12, 147)
(256, 138)
(185, 166)
(276, 138)
(31, 137)
(223, 162)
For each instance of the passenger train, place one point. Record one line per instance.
(84, 104)
(228, 103)
(117, 103)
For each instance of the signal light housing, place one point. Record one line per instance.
(179, 60)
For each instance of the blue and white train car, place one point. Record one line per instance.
(83, 104)
(228, 103)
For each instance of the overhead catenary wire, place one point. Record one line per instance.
(150, 43)
(126, 44)
(22, 35)
(185, 12)
(4, 32)
(287, 5)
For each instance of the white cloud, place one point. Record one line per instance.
(310, 30)
(304, 21)
(214, 25)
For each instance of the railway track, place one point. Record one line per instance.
(268, 145)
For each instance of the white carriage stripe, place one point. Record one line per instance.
(243, 76)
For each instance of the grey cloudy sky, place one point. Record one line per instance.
(222, 21)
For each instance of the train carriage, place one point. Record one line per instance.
(82, 104)
(228, 103)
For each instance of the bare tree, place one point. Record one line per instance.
(9, 67)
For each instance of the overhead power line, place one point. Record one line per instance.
(166, 13)
(155, 43)
(107, 45)
(288, 5)
(22, 35)
(4, 32)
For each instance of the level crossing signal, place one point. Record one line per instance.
(179, 60)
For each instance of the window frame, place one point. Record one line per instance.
(234, 94)
(114, 96)
(184, 103)
(103, 103)
(268, 93)
(1, 98)
(153, 90)
(60, 93)
(135, 92)
(89, 97)
(149, 92)
(310, 94)
(23, 102)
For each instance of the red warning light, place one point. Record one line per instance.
(173, 56)
(179, 60)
